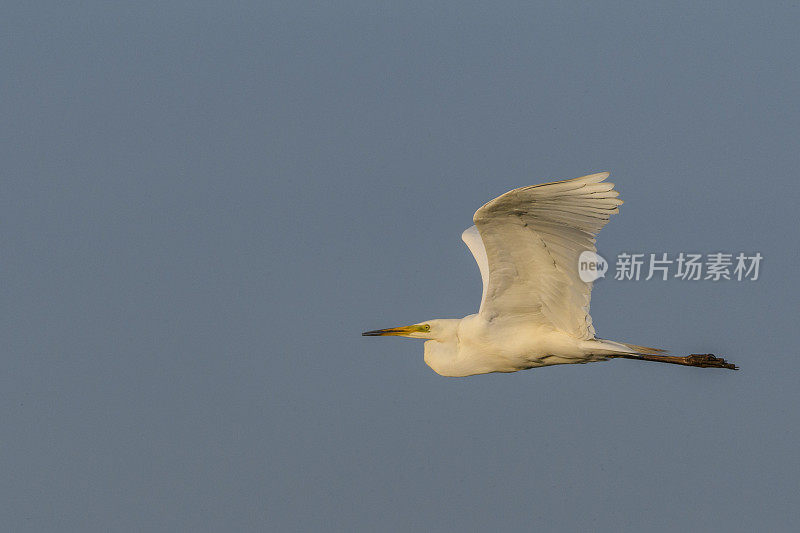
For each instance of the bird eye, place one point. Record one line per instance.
(427, 327)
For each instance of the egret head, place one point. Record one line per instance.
(430, 329)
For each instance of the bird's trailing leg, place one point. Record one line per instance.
(702, 360)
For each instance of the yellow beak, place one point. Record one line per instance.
(399, 332)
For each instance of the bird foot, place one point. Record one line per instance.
(708, 360)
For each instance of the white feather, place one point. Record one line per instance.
(530, 241)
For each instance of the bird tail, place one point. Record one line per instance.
(645, 349)
(606, 347)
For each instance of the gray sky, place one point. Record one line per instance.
(204, 204)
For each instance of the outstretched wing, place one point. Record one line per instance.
(528, 252)
(472, 238)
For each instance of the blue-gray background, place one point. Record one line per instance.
(204, 204)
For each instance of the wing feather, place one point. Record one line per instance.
(472, 238)
(530, 241)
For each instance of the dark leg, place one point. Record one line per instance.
(702, 360)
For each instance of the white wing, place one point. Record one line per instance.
(472, 238)
(531, 239)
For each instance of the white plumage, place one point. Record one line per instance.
(534, 308)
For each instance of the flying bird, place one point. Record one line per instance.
(534, 308)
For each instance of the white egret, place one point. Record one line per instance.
(535, 308)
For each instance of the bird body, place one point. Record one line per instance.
(534, 308)
(480, 346)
